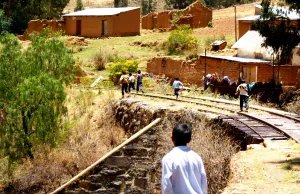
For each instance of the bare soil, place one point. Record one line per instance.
(266, 170)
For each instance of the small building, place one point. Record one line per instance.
(250, 46)
(218, 45)
(103, 22)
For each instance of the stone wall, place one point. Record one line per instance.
(134, 168)
(197, 15)
(191, 72)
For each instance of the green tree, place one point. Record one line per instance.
(178, 4)
(120, 3)
(180, 40)
(148, 6)
(4, 23)
(281, 34)
(79, 5)
(32, 94)
(21, 12)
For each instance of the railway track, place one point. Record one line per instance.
(261, 123)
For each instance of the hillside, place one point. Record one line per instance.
(109, 3)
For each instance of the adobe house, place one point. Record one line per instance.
(92, 23)
(245, 23)
(103, 22)
(197, 15)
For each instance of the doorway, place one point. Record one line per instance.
(104, 28)
(249, 73)
(78, 27)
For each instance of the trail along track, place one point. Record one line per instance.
(264, 123)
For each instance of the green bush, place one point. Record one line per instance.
(180, 40)
(119, 66)
(210, 24)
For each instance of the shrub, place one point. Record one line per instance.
(100, 59)
(180, 40)
(210, 24)
(119, 66)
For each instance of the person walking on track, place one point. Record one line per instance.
(176, 85)
(139, 82)
(242, 89)
(124, 81)
(131, 81)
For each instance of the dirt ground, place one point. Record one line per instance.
(272, 170)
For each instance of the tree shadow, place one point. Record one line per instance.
(290, 164)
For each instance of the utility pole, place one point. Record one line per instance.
(235, 33)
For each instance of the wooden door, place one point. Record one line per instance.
(104, 28)
(78, 27)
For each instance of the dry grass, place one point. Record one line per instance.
(158, 85)
(92, 133)
(209, 140)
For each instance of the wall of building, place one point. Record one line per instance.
(163, 19)
(117, 25)
(201, 14)
(39, 25)
(192, 72)
(126, 23)
(243, 27)
(198, 14)
(148, 21)
(91, 26)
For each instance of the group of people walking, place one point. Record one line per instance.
(128, 82)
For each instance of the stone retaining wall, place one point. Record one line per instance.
(136, 167)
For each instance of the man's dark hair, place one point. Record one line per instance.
(139, 71)
(181, 134)
(177, 78)
(130, 74)
(124, 73)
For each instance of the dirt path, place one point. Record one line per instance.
(266, 170)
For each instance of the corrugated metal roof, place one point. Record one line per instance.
(252, 39)
(250, 18)
(237, 59)
(101, 11)
(291, 14)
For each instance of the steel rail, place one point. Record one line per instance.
(294, 117)
(227, 109)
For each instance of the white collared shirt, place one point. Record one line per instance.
(183, 172)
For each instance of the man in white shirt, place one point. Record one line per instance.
(131, 83)
(176, 85)
(182, 169)
(244, 96)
